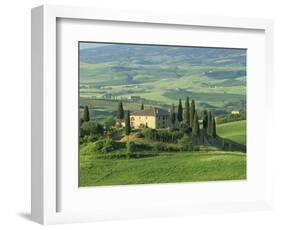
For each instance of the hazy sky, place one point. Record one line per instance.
(86, 45)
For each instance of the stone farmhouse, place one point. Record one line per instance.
(151, 117)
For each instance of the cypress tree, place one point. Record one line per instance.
(222, 144)
(180, 110)
(186, 112)
(195, 127)
(214, 129)
(192, 112)
(127, 123)
(120, 111)
(173, 116)
(142, 106)
(205, 119)
(209, 125)
(86, 115)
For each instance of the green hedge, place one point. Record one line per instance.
(163, 135)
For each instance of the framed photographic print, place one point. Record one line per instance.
(140, 114)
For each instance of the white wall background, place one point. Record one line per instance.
(15, 112)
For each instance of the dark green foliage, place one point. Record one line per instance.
(214, 129)
(173, 116)
(88, 128)
(113, 133)
(195, 127)
(158, 147)
(99, 130)
(109, 123)
(108, 146)
(89, 138)
(98, 145)
(162, 147)
(205, 119)
(186, 112)
(127, 123)
(185, 143)
(180, 111)
(130, 147)
(86, 115)
(120, 111)
(222, 144)
(192, 112)
(184, 128)
(142, 106)
(165, 136)
(209, 125)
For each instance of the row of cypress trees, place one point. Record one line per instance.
(209, 123)
(189, 116)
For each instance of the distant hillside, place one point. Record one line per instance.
(215, 77)
(150, 55)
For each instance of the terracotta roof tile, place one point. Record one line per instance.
(151, 111)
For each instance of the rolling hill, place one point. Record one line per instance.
(235, 131)
(214, 77)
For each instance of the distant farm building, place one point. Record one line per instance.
(151, 117)
(235, 112)
(135, 98)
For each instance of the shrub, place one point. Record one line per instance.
(149, 133)
(185, 128)
(99, 145)
(196, 148)
(163, 135)
(115, 133)
(109, 123)
(164, 147)
(139, 135)
(159, 147)
(143, 146)
(185, 143)
(88, 128)
(131, 147)
(107, 146)
(90, 138)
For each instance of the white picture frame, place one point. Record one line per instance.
(45, 206)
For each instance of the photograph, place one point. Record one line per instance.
(153, 113)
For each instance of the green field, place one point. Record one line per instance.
(178, 167)
(235, 131)
(215, 78)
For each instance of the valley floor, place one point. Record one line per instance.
(168, 168)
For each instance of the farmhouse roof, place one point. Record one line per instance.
(150, 111)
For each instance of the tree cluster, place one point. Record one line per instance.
(189, 117)
(121, 114)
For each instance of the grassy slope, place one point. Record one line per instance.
(179, 167)
(158, 83)
(235, 131)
